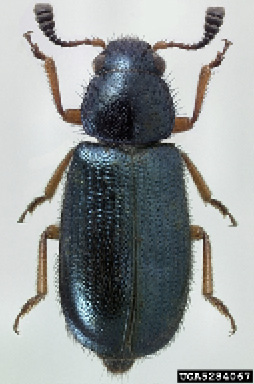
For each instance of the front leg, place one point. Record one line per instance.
(72, 116)
(185, 123)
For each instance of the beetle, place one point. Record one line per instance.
(125, 234)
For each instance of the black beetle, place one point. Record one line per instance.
(125, 237)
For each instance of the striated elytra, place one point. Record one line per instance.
(125, 236)
(124, 248)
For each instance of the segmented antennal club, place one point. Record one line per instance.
(45, 19)
(213, 22)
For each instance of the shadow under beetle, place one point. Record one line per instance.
(125, 236)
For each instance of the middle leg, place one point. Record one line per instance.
(204, 190)
(51, 187)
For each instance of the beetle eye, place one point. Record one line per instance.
(159, 63)
(98, 63)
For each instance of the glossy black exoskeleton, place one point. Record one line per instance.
(125, 236)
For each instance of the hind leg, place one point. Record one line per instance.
(51, 232)
(198, 233)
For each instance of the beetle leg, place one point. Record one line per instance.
(51, 232)
(204, 190)
(72, 116)
(50, 187)
(185, 123)
(198, 233)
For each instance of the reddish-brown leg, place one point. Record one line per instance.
(51, 232)
(185, 123)
(204, 190)
(51, 187)
(72, 116)
(198, 233)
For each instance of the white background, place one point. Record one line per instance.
(34, 140)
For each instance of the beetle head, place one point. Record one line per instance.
(129, 54)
